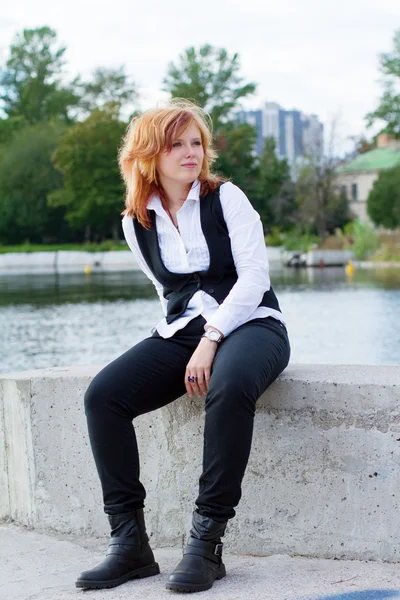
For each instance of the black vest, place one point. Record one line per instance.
(221, 275)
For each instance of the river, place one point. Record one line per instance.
(64, 320)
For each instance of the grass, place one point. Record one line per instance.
(105, 246)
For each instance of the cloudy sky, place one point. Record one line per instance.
(318, 56)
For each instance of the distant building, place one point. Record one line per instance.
(295, 133)
(357, 177)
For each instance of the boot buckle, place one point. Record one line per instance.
(218, 549)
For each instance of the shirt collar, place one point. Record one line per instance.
(194, 194)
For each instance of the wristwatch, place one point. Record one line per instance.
(213, 335)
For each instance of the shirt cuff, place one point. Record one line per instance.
(223, 322)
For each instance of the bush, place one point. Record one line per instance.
(383, 204)
(274, 238)
(363, 239)
(294, 240)
(387, 254)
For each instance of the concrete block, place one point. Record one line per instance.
(65, 261)
(323, 477)
(19, 452)
(330, 258)
(123, 260)
(28, 262)
(75, 262)
(4, 492)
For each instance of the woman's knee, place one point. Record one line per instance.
(232, 394)
(98, 395)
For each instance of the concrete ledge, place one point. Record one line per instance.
(62, 261)
(323, 478)
(68, 261)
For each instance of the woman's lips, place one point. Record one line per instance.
(189, 165)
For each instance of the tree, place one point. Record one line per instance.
(389, 107)
(361, 145)
(209, 77)
(320, 207)
(27, 175)
(235, 160)
(383, 204)
(107, 86)
(273, 190)
(92, 191)
(8, 127)
(31, 81)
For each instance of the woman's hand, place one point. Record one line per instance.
(199, 367)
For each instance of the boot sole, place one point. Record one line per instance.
(194, 587)
(147, 571)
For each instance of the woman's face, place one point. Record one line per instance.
(182, 164)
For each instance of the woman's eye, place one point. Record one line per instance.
(176, 144)
(198, 143)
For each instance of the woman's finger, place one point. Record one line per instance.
(193, 382)
(207, 377)
(196, 385)
(201, 381)
(188, 384)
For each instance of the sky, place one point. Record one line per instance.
(313, 55)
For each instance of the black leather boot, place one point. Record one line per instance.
(128, 555)
(202, 562)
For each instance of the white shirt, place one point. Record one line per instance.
(186, 251)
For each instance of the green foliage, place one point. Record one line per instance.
(108, 86)
(338, 212)
(31, 81)
(92, 192)
(8, 127)
(235, 159)
(209, 77)
(303, 242)
(389, 107)
(274, 238)
(320, 208)
(364, 240)
(27, 175)
(386, 254)
(383, 204)
(272, 194)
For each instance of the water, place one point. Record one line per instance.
(64, 320)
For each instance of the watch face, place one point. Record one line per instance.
(213, 335)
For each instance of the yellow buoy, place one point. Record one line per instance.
(349, 268)
(87, 269)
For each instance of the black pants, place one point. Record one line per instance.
(151, 375)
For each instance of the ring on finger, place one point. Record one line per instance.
(192, 378)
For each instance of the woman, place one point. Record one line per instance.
(223, 335)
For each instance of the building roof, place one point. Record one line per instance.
(374, 160)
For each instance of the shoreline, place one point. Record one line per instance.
(67, 261)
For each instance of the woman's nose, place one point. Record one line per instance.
(189, 151)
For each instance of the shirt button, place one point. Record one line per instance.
(211, 291)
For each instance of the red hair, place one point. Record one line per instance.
(151, 133)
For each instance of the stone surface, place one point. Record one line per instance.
(35, 566)
(323, 477)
